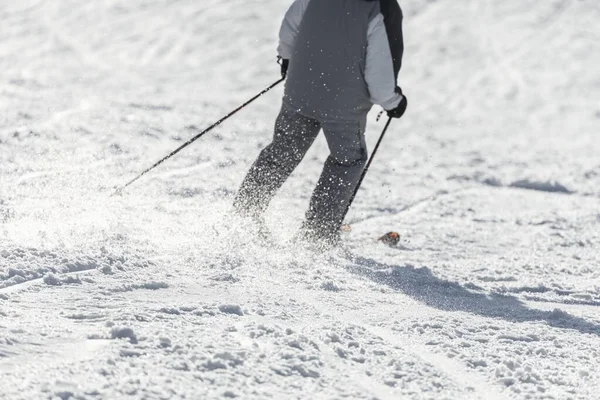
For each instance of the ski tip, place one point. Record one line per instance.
(391, 239)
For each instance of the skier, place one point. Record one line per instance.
(340, 58)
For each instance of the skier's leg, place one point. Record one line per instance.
(293, 136)
(339, 178)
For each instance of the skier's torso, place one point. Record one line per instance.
(326, 74)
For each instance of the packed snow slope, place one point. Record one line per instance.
(492, 179)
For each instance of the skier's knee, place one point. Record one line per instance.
(282, 157)
(353, 159)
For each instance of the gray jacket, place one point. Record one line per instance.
(344, 57)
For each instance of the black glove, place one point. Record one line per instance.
(284, 65)
(399, 111)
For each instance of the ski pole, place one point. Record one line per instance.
(198, 136)
(364, 173)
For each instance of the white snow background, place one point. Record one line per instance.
(492, 179)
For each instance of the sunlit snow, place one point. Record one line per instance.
(492, 180)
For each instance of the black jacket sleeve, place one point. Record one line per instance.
(392, 16)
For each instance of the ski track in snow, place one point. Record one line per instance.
(491, 180)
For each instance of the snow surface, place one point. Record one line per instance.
(492, 179)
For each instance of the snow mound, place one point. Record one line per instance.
(231, 309)
(129, 287)
(124, 333)
(19, 265)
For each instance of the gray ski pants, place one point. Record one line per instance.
(294, 134)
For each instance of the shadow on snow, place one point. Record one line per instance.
(423, 286)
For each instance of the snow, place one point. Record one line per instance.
(492, 180)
